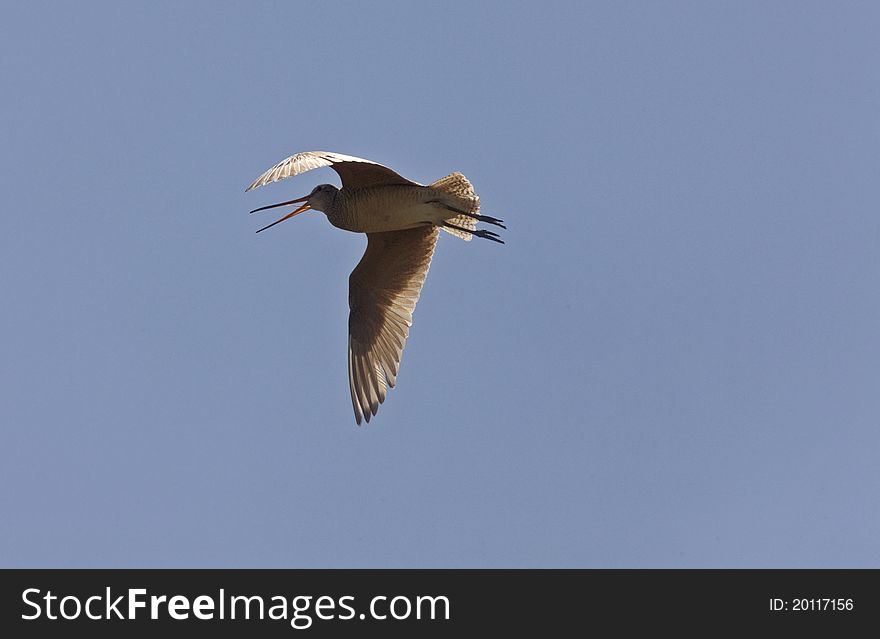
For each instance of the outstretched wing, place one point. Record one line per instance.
(355, 172)
(382, 293)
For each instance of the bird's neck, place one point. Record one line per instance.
(335, 208)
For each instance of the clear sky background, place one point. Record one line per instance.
(673, 362)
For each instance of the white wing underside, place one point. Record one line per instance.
(355, 172)
(382, 292)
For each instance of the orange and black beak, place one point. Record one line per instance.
(304, 207)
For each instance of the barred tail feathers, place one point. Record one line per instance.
(465, 199)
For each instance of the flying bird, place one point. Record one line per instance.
(402, 220)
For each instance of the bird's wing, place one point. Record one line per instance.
(382, 293)
(355, 172)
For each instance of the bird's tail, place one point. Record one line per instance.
(464, 198)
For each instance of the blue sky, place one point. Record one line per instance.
(673, 362)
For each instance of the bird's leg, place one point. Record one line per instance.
(483, 218)
(488, 219)
(486, 235)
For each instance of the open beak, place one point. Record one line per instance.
(304, 207)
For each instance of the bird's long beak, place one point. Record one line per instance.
(304, 207)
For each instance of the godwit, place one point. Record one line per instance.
(401, 219)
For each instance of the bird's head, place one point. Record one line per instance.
(319, 199)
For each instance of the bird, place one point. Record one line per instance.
(402, 220)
